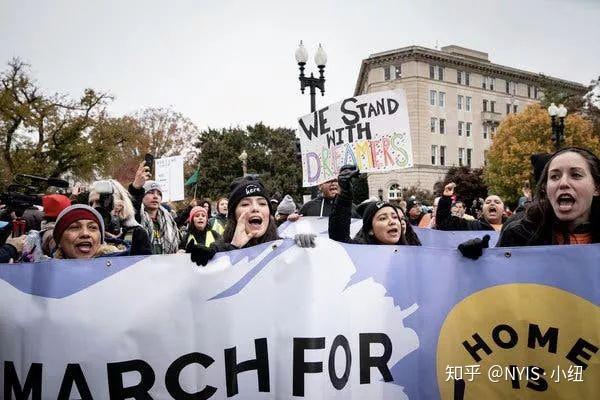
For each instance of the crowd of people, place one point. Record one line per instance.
(112, 220)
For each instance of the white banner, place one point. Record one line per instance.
(371, 131)
(169, 174)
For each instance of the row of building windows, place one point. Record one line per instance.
(464, 156)
(438, 125)
(464, 103)
(491, 107)
(436, 72)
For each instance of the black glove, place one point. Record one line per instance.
(473, 248)
(305, 240)
(201, 255)
(347, 172)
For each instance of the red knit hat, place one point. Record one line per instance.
(54, 203)
(75, 213)
(196, 210)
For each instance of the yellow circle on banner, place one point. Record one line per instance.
(500, 339)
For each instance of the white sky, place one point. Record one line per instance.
(226, 63)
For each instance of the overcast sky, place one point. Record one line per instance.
(226, 63)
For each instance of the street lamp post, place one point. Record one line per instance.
(558, 125)
(310, 81)
(244, 159)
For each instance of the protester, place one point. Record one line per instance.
(382, 221)
(217, 223)
(11, 250)
(198, 233)
(79, 233)
(321, 206)
(123, 216)
(286, 208)
(492, 215)
(249, 222)
(207, 206)
(183, 215)
(566, 208)
(53, 205)
(416, 215)
(156, 220)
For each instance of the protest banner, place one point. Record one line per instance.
(169, 175)
(428, 237)
(276, 321)
(370, 131)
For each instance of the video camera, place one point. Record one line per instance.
(25, 192)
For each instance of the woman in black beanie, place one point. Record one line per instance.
(249, 222)
(383, 223)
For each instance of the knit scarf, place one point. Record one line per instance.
(169, 234)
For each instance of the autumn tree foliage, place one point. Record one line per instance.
(526, 133)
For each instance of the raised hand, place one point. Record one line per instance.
(241, 236)
(347, 172)
(449, 189)
(141, 176)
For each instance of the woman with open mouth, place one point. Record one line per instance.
(383, 223)
(249, 222)
(566, 207)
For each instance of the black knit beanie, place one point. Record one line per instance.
(246, 187)
(370, 212)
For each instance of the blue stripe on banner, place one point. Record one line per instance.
(63, 278)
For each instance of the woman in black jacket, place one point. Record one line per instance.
(383, 223)
(566, 208)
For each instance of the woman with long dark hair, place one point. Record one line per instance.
(383, 223)
(566, 207)
(249, 221)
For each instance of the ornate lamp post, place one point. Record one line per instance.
(558, 126)
(310, 81)
(244, 159)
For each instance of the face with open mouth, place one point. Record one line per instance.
(387, 227)
(570, 188)
(81, 239)
(330, 188)
(152, 199)
(493, 209)
(254, 213)
(200, 221)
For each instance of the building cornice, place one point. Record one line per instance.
(470, 64)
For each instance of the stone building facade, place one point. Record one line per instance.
(456, 99)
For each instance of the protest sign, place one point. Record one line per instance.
(169, 174)
(332, 322)
(370, 131)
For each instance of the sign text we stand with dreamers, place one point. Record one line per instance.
(371, 131)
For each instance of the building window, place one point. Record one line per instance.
(440, 73)
(431, 72)
(515, 107)
(459, 77)
(507, 87)
(529, 91)
(493, 132)
(535, 92)
(485, 131)
(467, 78)
(398, 71)
(442, 155)
(462, 78)
(442, 126)
(485, 104)
(488, 83)
(485, 157)
(433, 154)
(468, 130)
(492, 106)
(468, 103)
(460, 128)
(507, 109)
(469, 157)
(459, 102)
(433, 124)
(386, 72)
(492, 81)
(442, 100)
(484, 83)
(432, 96)
(461, 154)
(394, 192)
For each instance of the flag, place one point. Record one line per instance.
(193, 180)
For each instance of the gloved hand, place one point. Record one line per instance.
(347, 172)
(305, 240)
(201, 255)
(473, 248)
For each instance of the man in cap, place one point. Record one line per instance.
(154, 218)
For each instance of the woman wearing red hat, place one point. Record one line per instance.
(198, 231)
(79, 234)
